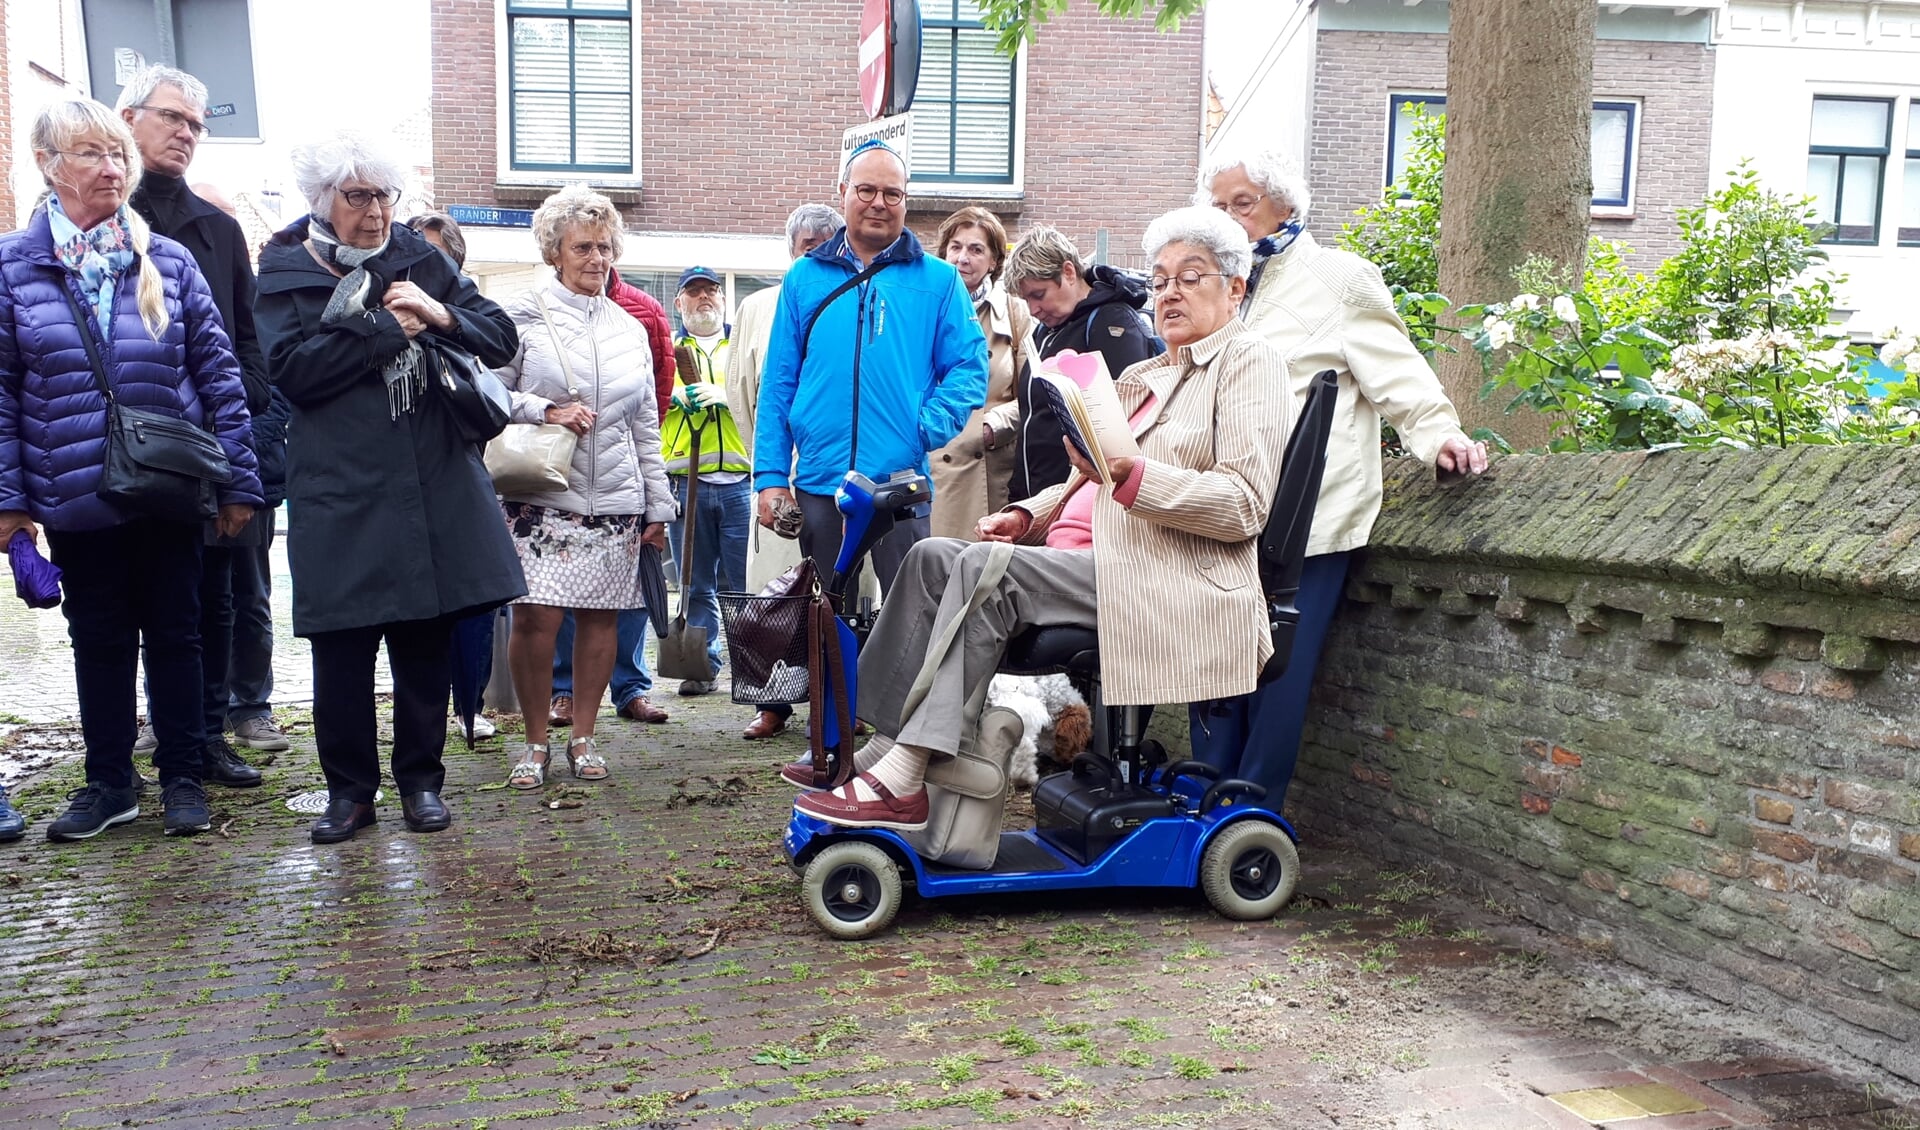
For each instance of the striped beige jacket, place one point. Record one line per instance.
(1181, 616)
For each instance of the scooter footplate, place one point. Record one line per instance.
(1018, 854)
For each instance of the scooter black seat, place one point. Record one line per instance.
(1053, 648)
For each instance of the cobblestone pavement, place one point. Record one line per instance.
(36, 674)
(634, 953)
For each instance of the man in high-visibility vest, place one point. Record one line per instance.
(723, 510)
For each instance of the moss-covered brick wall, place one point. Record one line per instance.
(1668, 703)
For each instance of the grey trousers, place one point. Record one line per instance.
(934, 585)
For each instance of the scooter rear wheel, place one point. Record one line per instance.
(852, 889)
(1250, 870)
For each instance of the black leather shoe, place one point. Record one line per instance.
(219, 765)
(425, 812)
(341, 820)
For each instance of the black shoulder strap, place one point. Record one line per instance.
(84, 324)
(806, 339)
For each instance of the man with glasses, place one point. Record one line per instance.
(166, 110)
(875, 359)
(723, 507)
(1088, 309)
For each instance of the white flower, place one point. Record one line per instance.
(1911, 362)
(1499, 332)
(1565, 310)
(1833, 357)
(1525, 302)
(1786, 341)
(1896, 348)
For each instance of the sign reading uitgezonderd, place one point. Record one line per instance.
(896, 131)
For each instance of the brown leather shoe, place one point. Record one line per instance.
(902, 814)
(562, 712)
(765, 725)
(640, 710)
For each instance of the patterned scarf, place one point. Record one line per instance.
(1265, 248)
(99, 257)
(353, 295)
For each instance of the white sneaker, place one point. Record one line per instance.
(482, 728)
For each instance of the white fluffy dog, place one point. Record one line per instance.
(1054, 713)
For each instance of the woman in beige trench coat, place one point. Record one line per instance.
(971, 472)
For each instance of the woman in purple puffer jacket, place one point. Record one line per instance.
(127, 577)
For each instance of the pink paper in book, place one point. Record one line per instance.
(1080, 367)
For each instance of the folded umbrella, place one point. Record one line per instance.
(472, 666)
(36, 579)
(653, 589)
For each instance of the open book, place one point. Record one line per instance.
(1080, 391)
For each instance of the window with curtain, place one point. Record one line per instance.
(570, 85)
(963, 111)
(1614, 123)
(1847, 164)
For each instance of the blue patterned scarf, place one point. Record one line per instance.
(98, 256)
(1265, 248)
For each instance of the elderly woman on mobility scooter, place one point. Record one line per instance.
(1171, 544)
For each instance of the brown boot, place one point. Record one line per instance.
(562, 712)
(640, 710)
(765, 725)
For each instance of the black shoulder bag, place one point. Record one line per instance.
(156, 465)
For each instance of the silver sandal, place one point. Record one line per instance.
(588, 766)
(533, 773)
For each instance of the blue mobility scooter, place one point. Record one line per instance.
(1122, 817)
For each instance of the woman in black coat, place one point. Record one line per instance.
(393, 531)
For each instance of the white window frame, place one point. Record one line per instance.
(993, 190)
(1397, 98)
(504, 172)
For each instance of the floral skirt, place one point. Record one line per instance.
(576, 560)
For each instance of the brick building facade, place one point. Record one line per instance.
(740, 110)
(1358, 73)
(1335, 75)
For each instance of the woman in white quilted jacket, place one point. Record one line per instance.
(584, 364)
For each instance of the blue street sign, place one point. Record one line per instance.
(490, 217)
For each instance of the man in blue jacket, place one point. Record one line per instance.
(875, 359)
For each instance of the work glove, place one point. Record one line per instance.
(704, 395)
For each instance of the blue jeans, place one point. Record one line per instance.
(1257, 736)
(250, 671)
(720, 528)
(630, 676)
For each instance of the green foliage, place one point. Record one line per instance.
(1619, 293)
(1557, 353)
(1019, 21)
(1401, 234)
(1739, 269)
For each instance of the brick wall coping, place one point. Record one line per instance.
(1833, 520)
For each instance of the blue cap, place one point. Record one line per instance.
(707, 273)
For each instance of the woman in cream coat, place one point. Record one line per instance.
(585, 364)
(1322, 309)
(970, 474)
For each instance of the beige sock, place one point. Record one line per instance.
(903, 771)
(869, 755)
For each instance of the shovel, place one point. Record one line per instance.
(683, 650)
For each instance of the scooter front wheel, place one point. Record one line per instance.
(1250, 870)
(852, 889)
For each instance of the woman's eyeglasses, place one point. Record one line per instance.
(91, 158)
(1187, 280)
(174, 119)
(359, 198)
(893, 196)
(1239, 205)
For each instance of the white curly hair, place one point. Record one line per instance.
(1272, 171)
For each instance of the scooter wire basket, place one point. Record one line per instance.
(767, 646)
